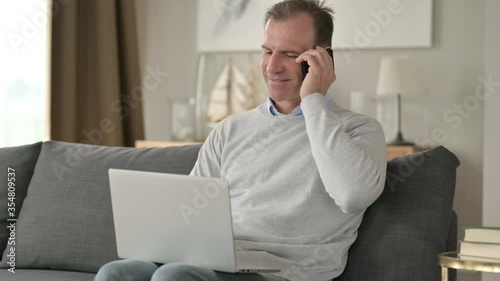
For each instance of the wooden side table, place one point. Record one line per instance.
(392, 150)
(452, 260)
(402, 150)
(144, 143)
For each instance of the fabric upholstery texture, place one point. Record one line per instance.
(66, 222)
(404, 230)
(45, 275)
(22, 160)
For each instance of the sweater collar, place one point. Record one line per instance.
(296, 111)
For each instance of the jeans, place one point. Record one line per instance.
(136, 270)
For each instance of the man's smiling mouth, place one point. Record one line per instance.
(278, 80)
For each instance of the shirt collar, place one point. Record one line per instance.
(296, 111)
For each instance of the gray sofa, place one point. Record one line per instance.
(60, 226)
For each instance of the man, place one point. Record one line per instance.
(301, 169)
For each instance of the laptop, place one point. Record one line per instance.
(165, 218)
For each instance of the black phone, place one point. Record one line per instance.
(305, 66)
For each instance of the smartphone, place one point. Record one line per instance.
(305, 66)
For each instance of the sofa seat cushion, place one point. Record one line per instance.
(45, 275)
(66, 222)
(403, 231)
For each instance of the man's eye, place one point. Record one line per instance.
(293, 56)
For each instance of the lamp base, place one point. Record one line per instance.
(400, 141)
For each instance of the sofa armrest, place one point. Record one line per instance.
(452, 241)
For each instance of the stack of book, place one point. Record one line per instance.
(481, 244)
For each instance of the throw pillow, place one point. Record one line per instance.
(16, 168)
(405, 229)
(66, 222)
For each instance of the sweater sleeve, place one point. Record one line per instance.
(350, 154)
(208, 163)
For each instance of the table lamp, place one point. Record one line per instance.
(397, 77)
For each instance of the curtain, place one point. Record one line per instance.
(95, 81)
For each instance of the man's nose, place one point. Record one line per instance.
(275, 64)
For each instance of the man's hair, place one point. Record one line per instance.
(321, 15)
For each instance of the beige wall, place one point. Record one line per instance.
(451, 70)
(167, 35)
(491, 193)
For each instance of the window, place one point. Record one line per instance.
(24, 71)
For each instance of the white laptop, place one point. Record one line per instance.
(174, 218)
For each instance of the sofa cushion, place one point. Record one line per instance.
(407, 226)
(16, 166)
(66, 222)
(45, 275)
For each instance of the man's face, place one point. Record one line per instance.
(284, 41)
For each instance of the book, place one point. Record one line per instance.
(482, 234)
(476, 258)
(480, 249)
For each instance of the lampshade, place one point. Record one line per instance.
(397, 75)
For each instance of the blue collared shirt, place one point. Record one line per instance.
(296, 111)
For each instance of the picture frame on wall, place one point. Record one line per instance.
(182, 127)
(237, 25)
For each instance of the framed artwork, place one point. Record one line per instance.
(237, 25)
(181, 119)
